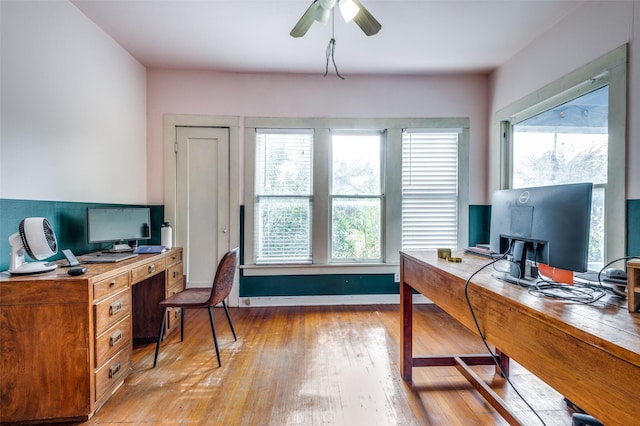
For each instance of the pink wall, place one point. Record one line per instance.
(289, 95)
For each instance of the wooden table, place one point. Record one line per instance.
(588, 353)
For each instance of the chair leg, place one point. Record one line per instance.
(226, 311)
(213, 331)
(160, 333)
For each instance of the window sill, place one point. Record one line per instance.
(281, 269)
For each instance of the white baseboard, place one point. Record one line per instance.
(356, 299)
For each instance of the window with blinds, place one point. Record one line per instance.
(429, 189)
(283, 195)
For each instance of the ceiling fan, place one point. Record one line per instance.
(320, 10)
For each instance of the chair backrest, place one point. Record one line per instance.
(223, 280)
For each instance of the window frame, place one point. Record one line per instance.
(608, 70)
(392, 190)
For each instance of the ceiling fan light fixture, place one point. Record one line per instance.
(348, 9)
(327, 4)
(322, 15)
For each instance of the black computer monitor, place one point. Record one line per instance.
(546, 224)
(118, 225)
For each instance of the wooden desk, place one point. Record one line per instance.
(588, 353)
(66, 342)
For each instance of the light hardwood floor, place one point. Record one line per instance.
(333, 365)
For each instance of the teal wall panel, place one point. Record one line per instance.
(479, 221)
(68, 220)
(315, 285)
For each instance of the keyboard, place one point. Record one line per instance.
(109, 257)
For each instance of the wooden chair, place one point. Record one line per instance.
(200, 298)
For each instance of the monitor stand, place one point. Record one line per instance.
(121, 247)
(524, 282)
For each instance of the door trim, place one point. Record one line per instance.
(170, 122)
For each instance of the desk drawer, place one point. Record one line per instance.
(112, 285)
(174, 275)
(172, 322)
(112, 310)
(113, 340)
(147, 270)
(174, 257)
(175, 288)
(112, 373)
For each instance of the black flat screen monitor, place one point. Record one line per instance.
(546, 224)
(118, 224)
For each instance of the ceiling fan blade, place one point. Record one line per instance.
(305, 21)
(366, 21)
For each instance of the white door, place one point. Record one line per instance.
(202, 200)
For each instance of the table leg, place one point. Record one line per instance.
(503, 362)
(406, 334)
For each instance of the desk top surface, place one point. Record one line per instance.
(606, 323)
(94, 270)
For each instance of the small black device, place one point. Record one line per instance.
(71, 258)
(619, 274)
(77, 271)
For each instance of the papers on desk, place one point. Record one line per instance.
(150, 249)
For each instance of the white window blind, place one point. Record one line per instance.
(429, 189)
(283, 190)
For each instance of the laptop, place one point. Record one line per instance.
(109, 257)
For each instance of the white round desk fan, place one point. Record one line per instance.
(35, 237)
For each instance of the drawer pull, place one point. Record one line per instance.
(174, 257)
(114, 369)
(112, 283)
(115, 338)
(115, 307)
(176, 291)
(177, 312)
(176, 274)
(152, 268)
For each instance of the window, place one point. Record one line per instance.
(325, 195)
(568, 144)
(574, 130)
(283, 196)
(429, 189)
(356, 196)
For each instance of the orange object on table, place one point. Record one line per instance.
(556, 274)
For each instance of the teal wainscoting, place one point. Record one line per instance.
(315, 285)
(479, 224)
(68, 220)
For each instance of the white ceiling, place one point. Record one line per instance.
(417, 36)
